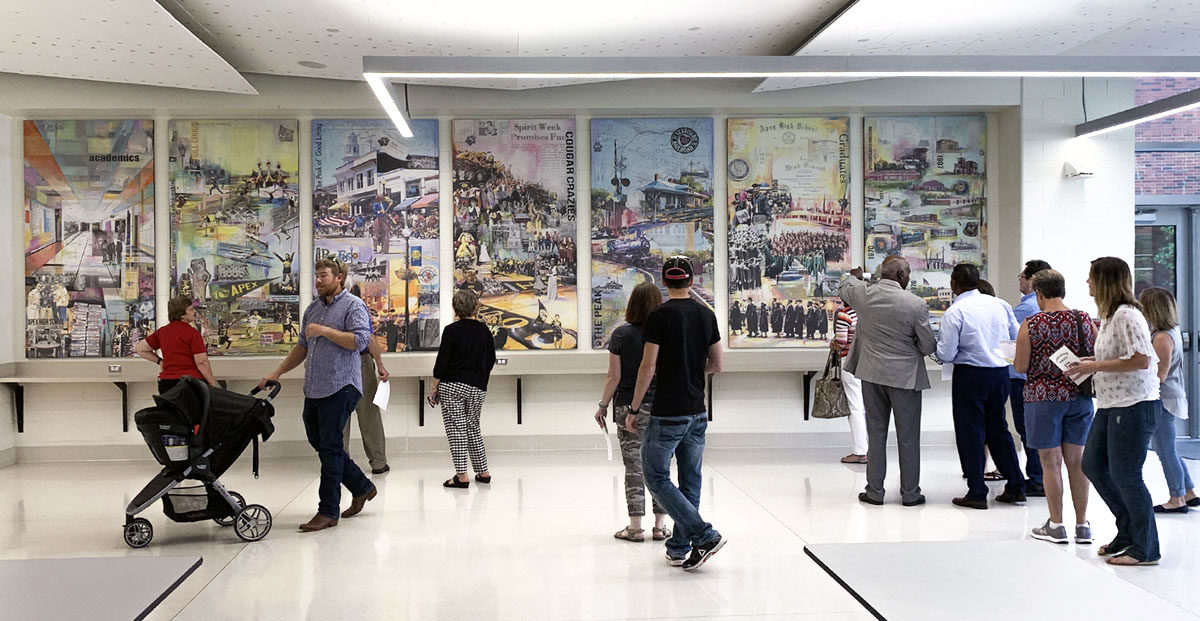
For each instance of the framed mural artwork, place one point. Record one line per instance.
(89, 237)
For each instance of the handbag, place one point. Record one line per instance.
(1086, 388)
(830, 400)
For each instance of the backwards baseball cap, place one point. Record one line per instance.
(677, 268)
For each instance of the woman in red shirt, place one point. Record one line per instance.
(182, 346)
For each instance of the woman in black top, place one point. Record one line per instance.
(464, 364)
(625, 356)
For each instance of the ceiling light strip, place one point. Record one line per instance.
(1140, 114)
(387, 98)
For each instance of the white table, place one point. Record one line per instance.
(95, 589)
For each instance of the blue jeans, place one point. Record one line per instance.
(1179, 480)
(1016, 399)
(1112, 460)
(324, 420)
(682, 437)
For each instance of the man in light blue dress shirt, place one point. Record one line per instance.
(971, 331)
(1026, 307)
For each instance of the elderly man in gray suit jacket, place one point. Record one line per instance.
(888, 355)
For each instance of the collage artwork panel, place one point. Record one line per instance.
(514, 228)
(924, 198)
(89, 237)
(652, 198)
(789, 228)
(235, 231)
(375, 208)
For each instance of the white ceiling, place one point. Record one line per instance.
(127, 41)
(274, 36)
(1011, 27)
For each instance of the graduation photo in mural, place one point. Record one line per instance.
(789, 228)
(375, 208)
(514, 228)
(924, 198)
(652, 197)
(235, 231)
(89, 237)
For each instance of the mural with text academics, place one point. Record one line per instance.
(514, 228)
(789, 228)
(652, 197)
(235, 231)
(89, 237)
(924, 191)
(375, 207)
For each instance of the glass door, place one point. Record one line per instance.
(1164, 243)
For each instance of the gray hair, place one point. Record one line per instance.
(894, 267)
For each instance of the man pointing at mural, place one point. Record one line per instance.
(335, 327)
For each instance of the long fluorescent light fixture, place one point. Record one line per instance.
(387, 98)
(1140, 114)
(379, 71)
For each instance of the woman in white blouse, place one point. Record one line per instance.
(1127, 403)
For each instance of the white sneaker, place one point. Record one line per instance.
(1053, 534)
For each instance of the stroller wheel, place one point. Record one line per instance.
(252, 523)
(138, 533)
(228, 520)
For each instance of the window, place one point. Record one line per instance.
(359, 179)
(1154, 258)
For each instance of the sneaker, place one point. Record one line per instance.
(1083, 533)
(1053, 534)
(674, 561)
(701, 554)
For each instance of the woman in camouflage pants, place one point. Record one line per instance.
(625, 356)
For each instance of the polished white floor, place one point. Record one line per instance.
(537, 543)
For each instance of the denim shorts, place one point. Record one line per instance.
(1050, 424)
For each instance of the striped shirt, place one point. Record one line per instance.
(329, 367)
(843, 329)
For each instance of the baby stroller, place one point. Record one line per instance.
(196, 433)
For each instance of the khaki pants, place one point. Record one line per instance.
(370, 419)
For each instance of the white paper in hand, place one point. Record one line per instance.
(1007, 350)
(382, 394)
(1064, 359)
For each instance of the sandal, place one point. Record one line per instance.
(454, 482)
(1124, 560)
(661, 534)
(993, 476)
(635, 535)
(1111, 549)
(1164, 509)
(854, 458)
(483, 479)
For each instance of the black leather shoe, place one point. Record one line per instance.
(382, 470)
(1035, 489)
(970, 504)
(863, 497)
(920, 500)
(1010, 498)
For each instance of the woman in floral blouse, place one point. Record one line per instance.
(1127, 401)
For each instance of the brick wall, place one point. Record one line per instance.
(1167, 172)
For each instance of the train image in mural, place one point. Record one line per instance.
(651, 198)
(375, 208)
(789, 228)
(515, 228)
(89, 237)
(235, 231)
(925, 198)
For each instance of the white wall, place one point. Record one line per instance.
(1069, 222)
(749, 409)
(9, 279)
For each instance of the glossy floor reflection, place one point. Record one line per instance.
(538, 542)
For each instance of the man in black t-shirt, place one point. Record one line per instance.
(683, 344)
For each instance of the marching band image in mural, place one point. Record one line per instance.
(924, 191)
(89, 237)
(235, 231)
(514, 228)
(789, 228)
(375, 208)
(651, 198)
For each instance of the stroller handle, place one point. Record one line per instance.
(273, 386)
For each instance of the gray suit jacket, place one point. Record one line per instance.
(893, 335)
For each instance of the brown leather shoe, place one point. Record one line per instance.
(318, 522)
(356, 505)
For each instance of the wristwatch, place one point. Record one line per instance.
(603, 405)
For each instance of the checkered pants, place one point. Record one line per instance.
(461, 405)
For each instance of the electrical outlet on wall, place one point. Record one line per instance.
(114, 368)
(501, 361)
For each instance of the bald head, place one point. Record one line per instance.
(896, 268)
